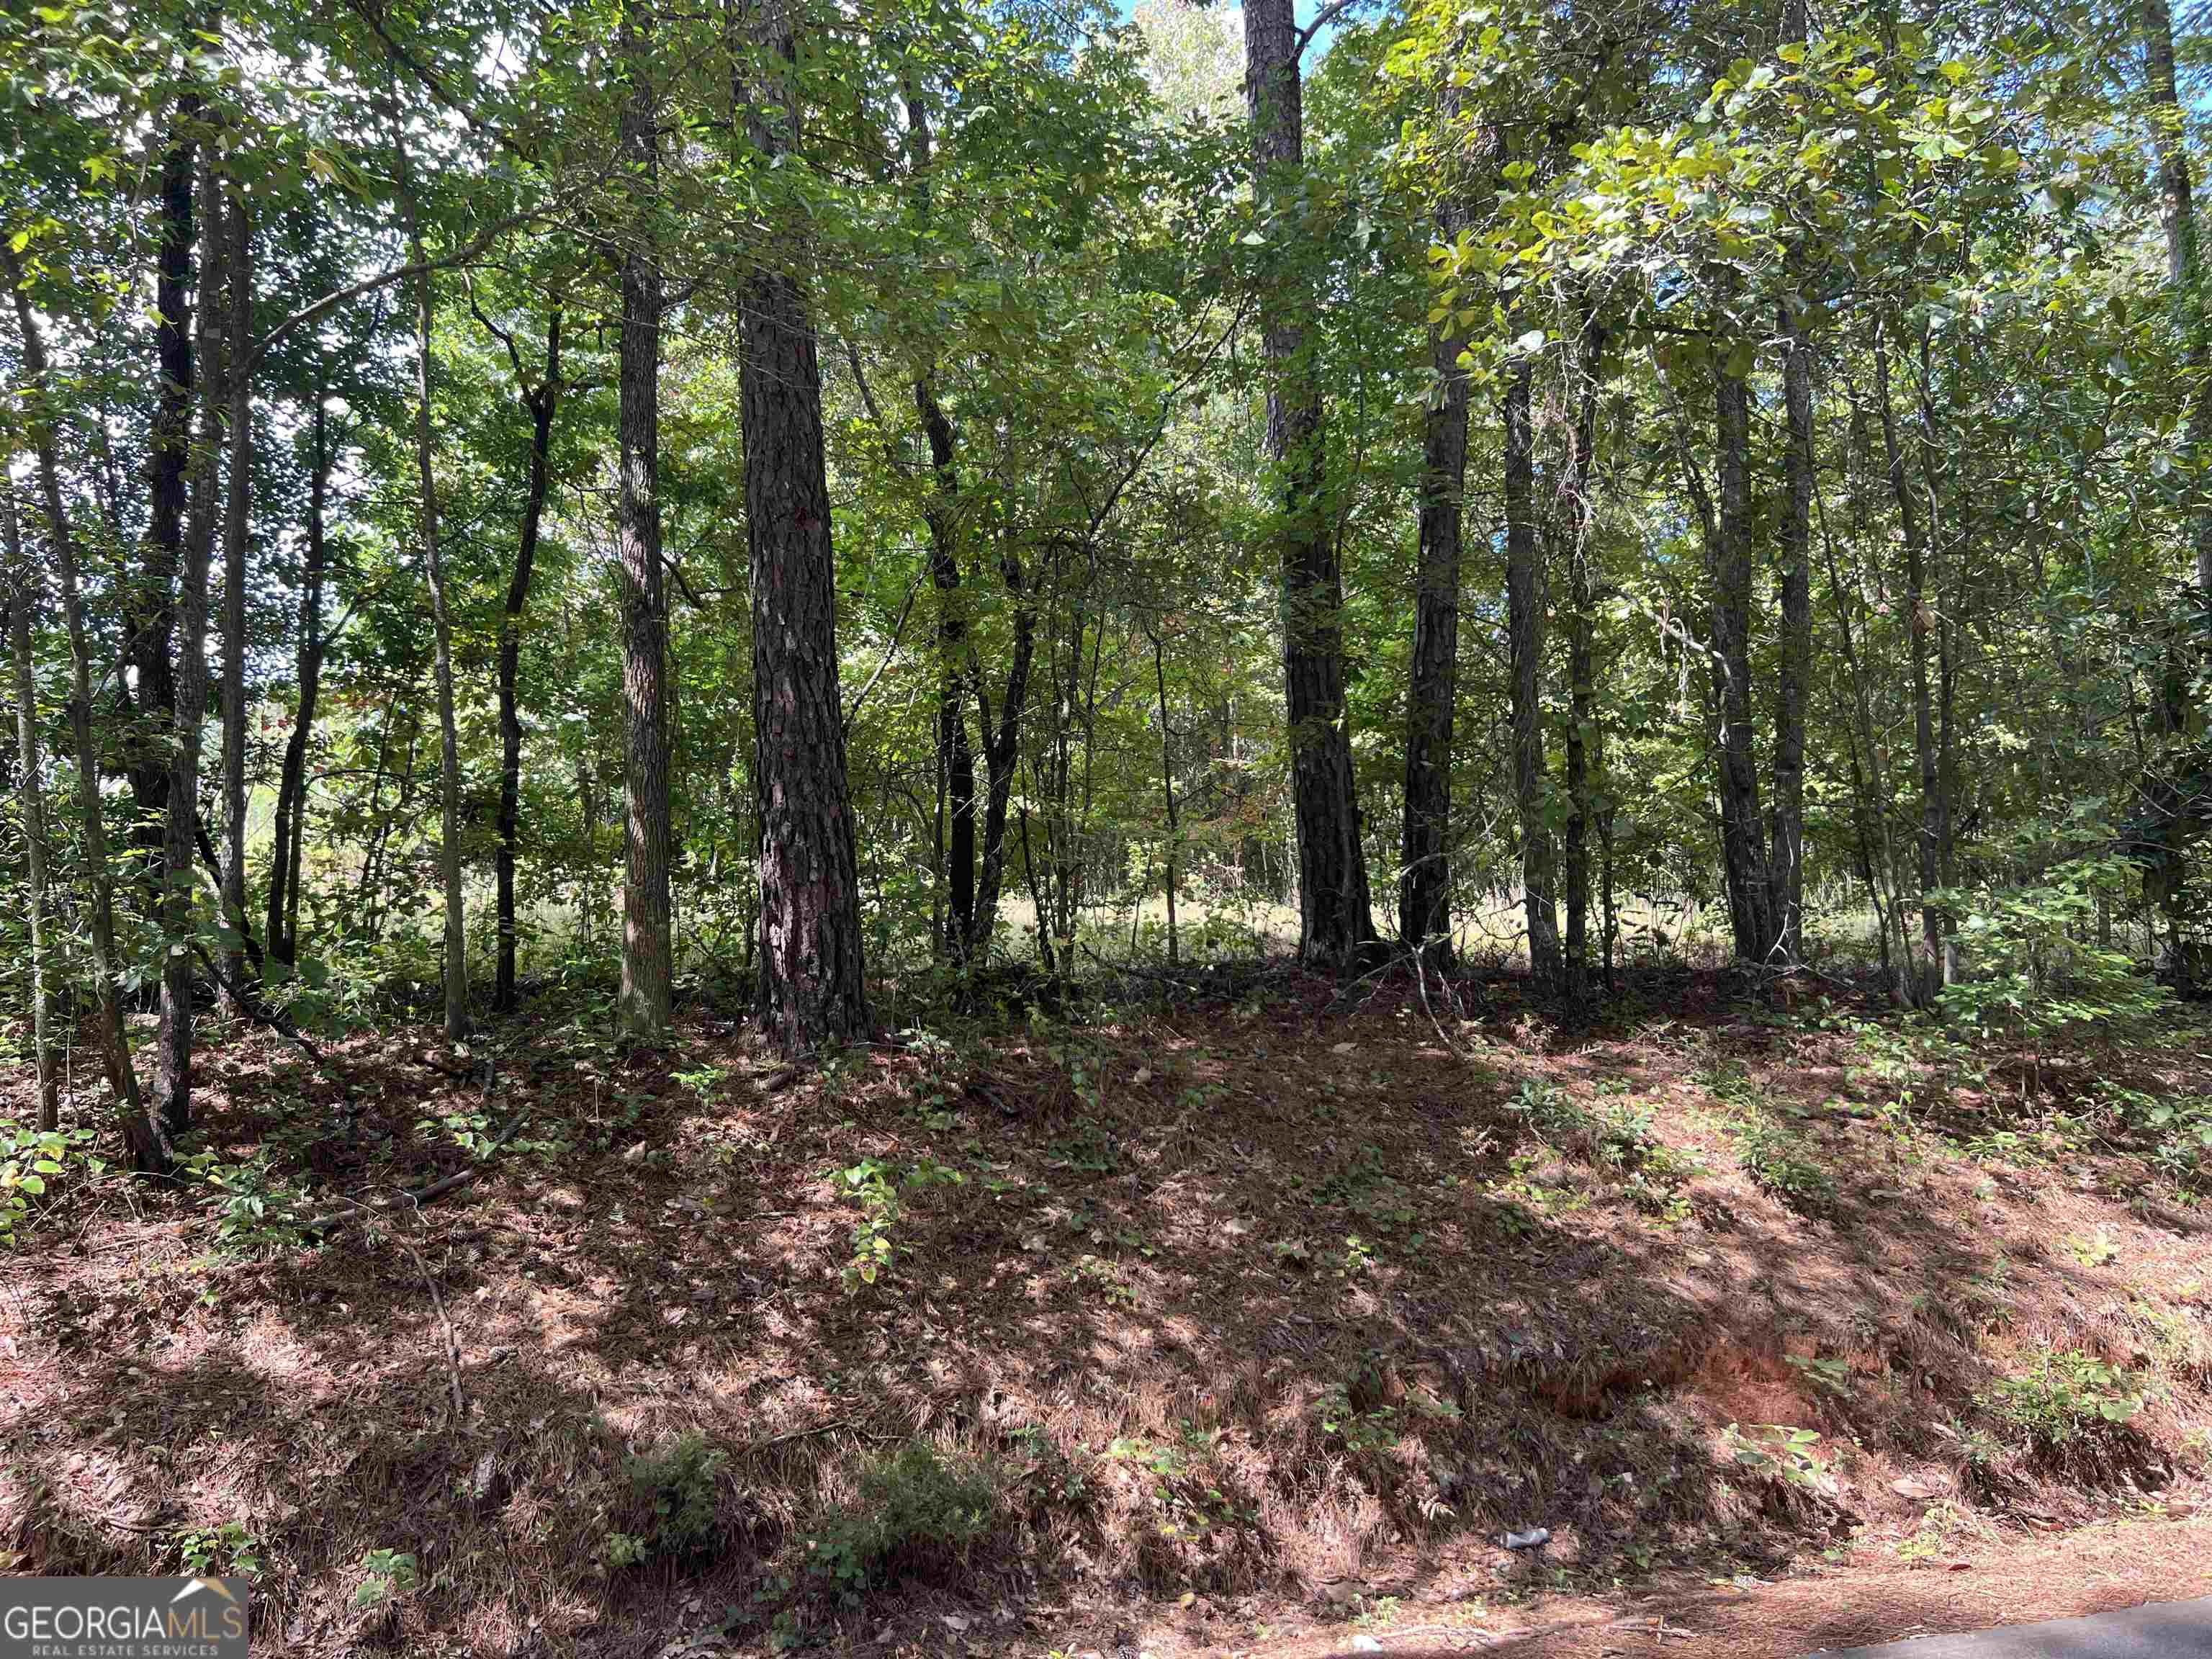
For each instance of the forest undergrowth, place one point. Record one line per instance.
(1191, 1319)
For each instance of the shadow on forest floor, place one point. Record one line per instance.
(1262, 1314)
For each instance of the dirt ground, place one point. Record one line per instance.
(1264, 1314)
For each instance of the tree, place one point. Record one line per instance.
(810, 989)
(1335, 926)
(31, 785)
(647, 964)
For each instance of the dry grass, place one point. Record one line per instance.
(1258, 1312)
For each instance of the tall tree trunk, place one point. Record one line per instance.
(173, 1065)
(1919, 623)
(1786, 865)
(1336, 925)
(33, 787)
(648, 961)
(149, 602)
(1728, 560)
(1425, 846)
(956, 757)
(2184, 268)
(1167, 787)
(282, 930)
(449, 742)
(811, 991)
(142, 1134)
(541, 403)
(1002, 746)
(1524, 628)
(1578, 502)
(237, 520)
(1786, 868)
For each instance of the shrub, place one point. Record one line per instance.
(916, 1515)
(2065, 1397)
(2031, 966)
(678, 1483)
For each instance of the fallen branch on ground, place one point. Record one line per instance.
(352, 1209)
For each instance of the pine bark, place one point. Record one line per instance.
(31, 787)
(1524, 628)
(1786, 863)
(1425, 846)
(1336, 925)
(143, 1135)
(811, 990)
(647, 956)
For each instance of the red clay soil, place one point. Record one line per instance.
(1263, 1316)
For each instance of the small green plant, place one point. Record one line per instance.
(259, 1209)
(387, 1576)
(880, 1188)
(226, 1551)
(1779, 1161)
(2100, 1251)
(918, 1513)
(680, 1485)
(1777, 1451)
(2061, 1398)
(31, 1159)
(472, 1132)
(2032, 967)
(1831, 1376)
(1373, 1429)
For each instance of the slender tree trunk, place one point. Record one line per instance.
(1787, 866)
(449, 743)
(1919, 624)
(1524, 606)
(541, 401)
(173, 1065)
(1336, 925)
(1579, 502)
(149, 603)
(282, 931)
(647, 964)
(142, 1134)
(811, 989)
(33, 787)
(1425, 850)
(1167, 787)
(2184, 272)
(237, 520)
(1728, 558)
(956, 757)
(1002, 748)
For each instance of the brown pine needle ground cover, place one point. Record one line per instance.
(1195, 1324)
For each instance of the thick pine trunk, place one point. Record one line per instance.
(1424, 847)
(237, 521)
(811, 991)
(648, 960)
(1336, 925)
(31, 785)
(1728, 561)
(1524, 630)
(541, 401)
(449, 746)
(142, 1134)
